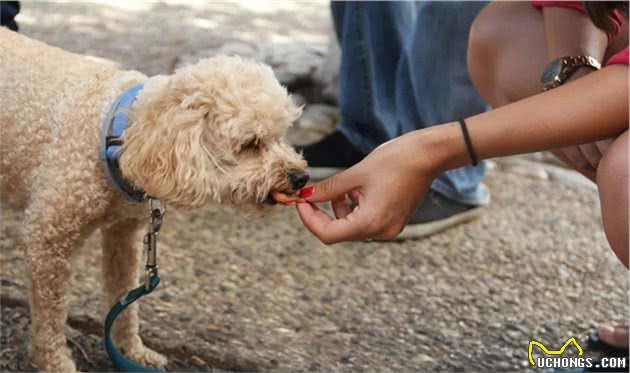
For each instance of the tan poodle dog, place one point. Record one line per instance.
(210, 133)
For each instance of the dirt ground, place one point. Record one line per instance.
(260, 294)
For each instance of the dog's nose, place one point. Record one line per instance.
(298, 179)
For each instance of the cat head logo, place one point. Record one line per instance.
(553, 352)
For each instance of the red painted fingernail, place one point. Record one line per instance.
(307, 191)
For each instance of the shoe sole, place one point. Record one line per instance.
(426, 229)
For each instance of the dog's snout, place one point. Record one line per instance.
(298, 179)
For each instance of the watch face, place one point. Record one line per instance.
(552, 71)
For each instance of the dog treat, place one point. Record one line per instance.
(286, 199)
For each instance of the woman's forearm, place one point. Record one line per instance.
(586, 110)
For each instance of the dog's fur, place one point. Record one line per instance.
(210, 133)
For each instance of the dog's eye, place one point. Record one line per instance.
(251, 145)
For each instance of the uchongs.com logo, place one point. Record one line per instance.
(554, 359)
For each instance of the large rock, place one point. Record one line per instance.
(293, 63)
(327, 74)
(317, 121)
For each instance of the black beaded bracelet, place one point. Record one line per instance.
(471, 151)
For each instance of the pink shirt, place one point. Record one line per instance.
(620, 58)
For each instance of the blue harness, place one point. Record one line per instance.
(115, 123)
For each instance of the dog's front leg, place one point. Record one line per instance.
(51, 235)
(48, 259)
(121, 255)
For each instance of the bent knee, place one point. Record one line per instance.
(479, 56)
(612, 182)
(484, 45)
(507, 52)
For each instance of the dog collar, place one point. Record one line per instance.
(115, 123)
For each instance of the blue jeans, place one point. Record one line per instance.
(403, 67)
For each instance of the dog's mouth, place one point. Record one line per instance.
(290, 191)
(269, 200)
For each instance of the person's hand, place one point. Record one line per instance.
(374, 198)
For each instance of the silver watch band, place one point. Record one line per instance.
(586, 61)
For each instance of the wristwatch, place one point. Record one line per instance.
(558, 71)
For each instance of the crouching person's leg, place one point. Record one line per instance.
(612, 181)
(507, 52)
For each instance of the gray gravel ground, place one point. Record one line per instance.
(258, 294)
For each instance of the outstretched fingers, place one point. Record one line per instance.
(335, 187)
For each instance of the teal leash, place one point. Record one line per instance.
(151, 281)
(118, 359)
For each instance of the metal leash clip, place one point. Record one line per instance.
(152, 280)
(157, 210)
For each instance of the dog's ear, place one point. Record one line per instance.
(166, 154)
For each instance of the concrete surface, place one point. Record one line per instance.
(258, 294)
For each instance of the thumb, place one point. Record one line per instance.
(333, 187)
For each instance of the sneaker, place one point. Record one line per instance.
(329, 156)
(437, 213)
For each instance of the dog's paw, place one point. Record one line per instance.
(58, 364)
(48, 359)
(146, 356)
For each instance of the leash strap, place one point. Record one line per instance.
(151, 281)
(118, 359)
